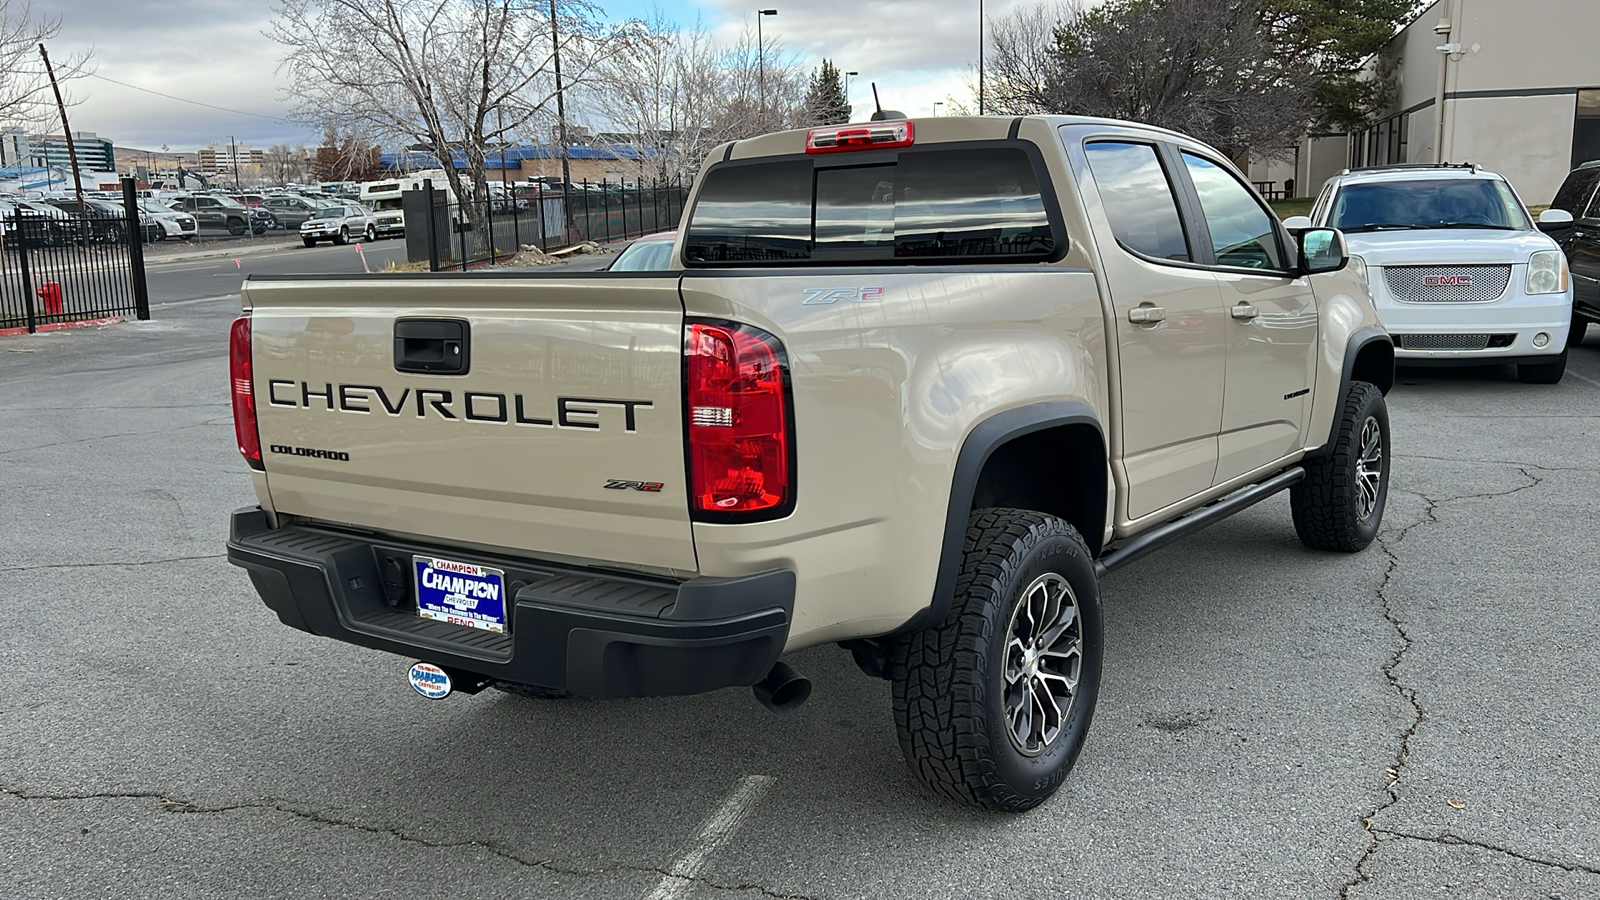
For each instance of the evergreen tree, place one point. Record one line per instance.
(826, 103)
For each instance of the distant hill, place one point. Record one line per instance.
(130, 157)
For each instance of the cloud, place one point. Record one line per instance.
(213, 51)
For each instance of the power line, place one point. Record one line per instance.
(184, 100)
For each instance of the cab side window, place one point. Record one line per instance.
(1243, 234)
(1139, 200)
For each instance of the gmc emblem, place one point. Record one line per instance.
(1447, 280)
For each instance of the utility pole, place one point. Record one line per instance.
(72, 152)
(761, 62)
(1446, 26)
(561, 128)
(980, 57)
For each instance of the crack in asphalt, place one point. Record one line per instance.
(107, 437)
(114, 564)
(170, 804)
(1388, 543)
(1454, 840)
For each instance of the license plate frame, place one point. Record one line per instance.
(467, 595)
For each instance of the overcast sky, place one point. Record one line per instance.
(212, 51)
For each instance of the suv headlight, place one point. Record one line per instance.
(1547, 272)
(1358, 267)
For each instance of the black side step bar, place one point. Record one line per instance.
(1153, 540)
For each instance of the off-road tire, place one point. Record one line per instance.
(237, 227)
(1327, 503)
(530, 690)
(949, 682)
(343, 237)
(1544, 373)
(309, 242)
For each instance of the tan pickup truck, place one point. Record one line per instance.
(909, 387)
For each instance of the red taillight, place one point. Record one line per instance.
(244, 393)
(875, 136)
(740, 452)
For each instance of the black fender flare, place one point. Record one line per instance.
(1359, 340)
(980, 444)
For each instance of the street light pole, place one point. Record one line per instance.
(761, 61)
(847, 77)
(936, 105)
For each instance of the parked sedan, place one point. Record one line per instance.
(1579, 237)
(651, 253)
(338, 224)
(175, 224)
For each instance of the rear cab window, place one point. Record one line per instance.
(936, 204)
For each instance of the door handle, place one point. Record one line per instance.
(1147, 315)
(1244, 312)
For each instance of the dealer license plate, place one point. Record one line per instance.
(460, 593)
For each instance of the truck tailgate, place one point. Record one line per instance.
(563, 438)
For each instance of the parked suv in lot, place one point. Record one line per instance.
(907, 386)
(1458, 271)
(1579, 237)
(338, 223)
(224, 212)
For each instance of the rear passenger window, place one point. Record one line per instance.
(1138, 199)
(1242, 233)
(1594, 207)
(957, 205)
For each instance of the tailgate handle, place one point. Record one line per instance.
(432, 346)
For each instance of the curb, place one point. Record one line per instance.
(220, 252)
(61, 326)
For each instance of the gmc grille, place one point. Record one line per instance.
(1442, 284)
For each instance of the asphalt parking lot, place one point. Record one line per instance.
(1416, 720)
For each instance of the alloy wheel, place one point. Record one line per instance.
(1044, 659)
(1369, 469)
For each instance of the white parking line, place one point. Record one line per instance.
(713, 834)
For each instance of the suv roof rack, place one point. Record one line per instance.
(1397, 166)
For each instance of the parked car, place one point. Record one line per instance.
(28, 228)
(338, 223)
(651, 253)
(290, 210)
(176, 224)
(909, 395)
(1579, 238)
(224, 212)
(107, 221)
(1458, 272)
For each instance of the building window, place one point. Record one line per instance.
(1384, 144)
(1586, 130)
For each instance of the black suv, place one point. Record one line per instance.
(224, 212)
(1581, 241)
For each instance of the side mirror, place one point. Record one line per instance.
(1297, 224)
(1323, 250)
(1554, 220)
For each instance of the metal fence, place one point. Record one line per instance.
(458, 235)
(72, 264)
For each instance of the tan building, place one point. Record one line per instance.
(1520, 83)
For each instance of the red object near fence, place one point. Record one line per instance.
(50, 293)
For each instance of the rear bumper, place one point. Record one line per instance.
(591, 633)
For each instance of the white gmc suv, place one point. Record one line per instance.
(1459, 273)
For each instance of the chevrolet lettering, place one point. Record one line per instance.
(471, 406)
(1100, 340)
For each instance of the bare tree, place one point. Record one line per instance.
(1202, 67)
(452, 75)
(677, 94)
(284, 163)
(25, 97)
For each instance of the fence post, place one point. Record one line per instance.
(539, 198)
(141, 290)
(488, 212)
(461, 229)
(433, 215)
(27, 276)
